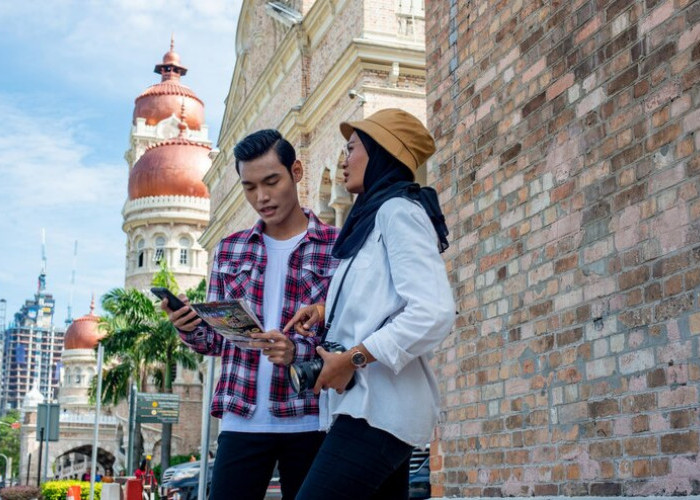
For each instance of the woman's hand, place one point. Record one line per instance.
(305, 318)
(276, 346)
(336, 373)
(184, 319)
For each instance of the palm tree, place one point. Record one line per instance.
(140, 342)
(171, 351)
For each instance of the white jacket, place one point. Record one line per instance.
(397, 280)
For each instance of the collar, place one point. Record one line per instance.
(315, 230)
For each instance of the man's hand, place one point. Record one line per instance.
(184, 319)
(276, 346)
(336, 373)
(305, 318)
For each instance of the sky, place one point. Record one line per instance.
(71, 70)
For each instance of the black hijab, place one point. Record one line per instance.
(385, 178)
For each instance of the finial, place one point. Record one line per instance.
(172, 41)
(92, 304)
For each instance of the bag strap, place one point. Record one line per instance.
(331, 315)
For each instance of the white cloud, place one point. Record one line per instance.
(108, 49)
(42, 164)
(72, 69)
(48, 183)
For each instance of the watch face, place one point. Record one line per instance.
(359, 359)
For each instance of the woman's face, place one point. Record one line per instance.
(354, 165)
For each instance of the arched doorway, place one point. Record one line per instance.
(73, 463)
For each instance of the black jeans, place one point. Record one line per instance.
(358, 462)
(245, 462)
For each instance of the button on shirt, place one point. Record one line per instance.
(398, 302)
(237, 272)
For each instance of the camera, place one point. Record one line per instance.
(303, 375)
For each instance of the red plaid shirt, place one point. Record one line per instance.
(237, 272)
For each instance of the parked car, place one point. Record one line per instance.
(419, 474)
(181, 482)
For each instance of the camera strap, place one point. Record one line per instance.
(331, 315)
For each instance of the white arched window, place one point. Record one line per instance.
(185, 250)
(160, 249)
(140, 244)
(78, 376)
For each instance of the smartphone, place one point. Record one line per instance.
(174, 303)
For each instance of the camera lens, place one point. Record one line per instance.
(302, 376)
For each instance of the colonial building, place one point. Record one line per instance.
(568, 164)
(303, 67)
(71, 456)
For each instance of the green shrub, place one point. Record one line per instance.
(57, 490)
(20, 493)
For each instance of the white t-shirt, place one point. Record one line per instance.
(278, 253)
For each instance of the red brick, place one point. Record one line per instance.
(663, 137)
(679, 443)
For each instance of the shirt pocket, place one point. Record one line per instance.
(237, 277)
(370, 252)
(314, 282)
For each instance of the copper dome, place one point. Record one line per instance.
(166, 98)
(172, 167)
(84, 332)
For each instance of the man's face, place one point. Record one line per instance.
(270, 189)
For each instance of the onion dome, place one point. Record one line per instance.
(83, 333)
(33, 398)
(164, 99)
(174, 167)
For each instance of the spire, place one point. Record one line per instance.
(172, 42)
(92, 304)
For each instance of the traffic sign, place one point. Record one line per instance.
(157, 408)
(47, 421)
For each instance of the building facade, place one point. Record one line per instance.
(71, 455)
(32, 349)
(303, 67)
(568, 167)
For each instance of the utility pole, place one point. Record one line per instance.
(132, 431)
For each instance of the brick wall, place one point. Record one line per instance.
(568, 166)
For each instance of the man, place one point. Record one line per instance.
(280, 264)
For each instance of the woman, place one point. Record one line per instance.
(393, 308)
(145, 474)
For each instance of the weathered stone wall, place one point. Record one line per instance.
(568, 165)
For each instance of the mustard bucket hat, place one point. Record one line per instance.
(397, 131)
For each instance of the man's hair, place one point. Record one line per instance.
(259, 143)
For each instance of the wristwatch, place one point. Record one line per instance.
(358, 358)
